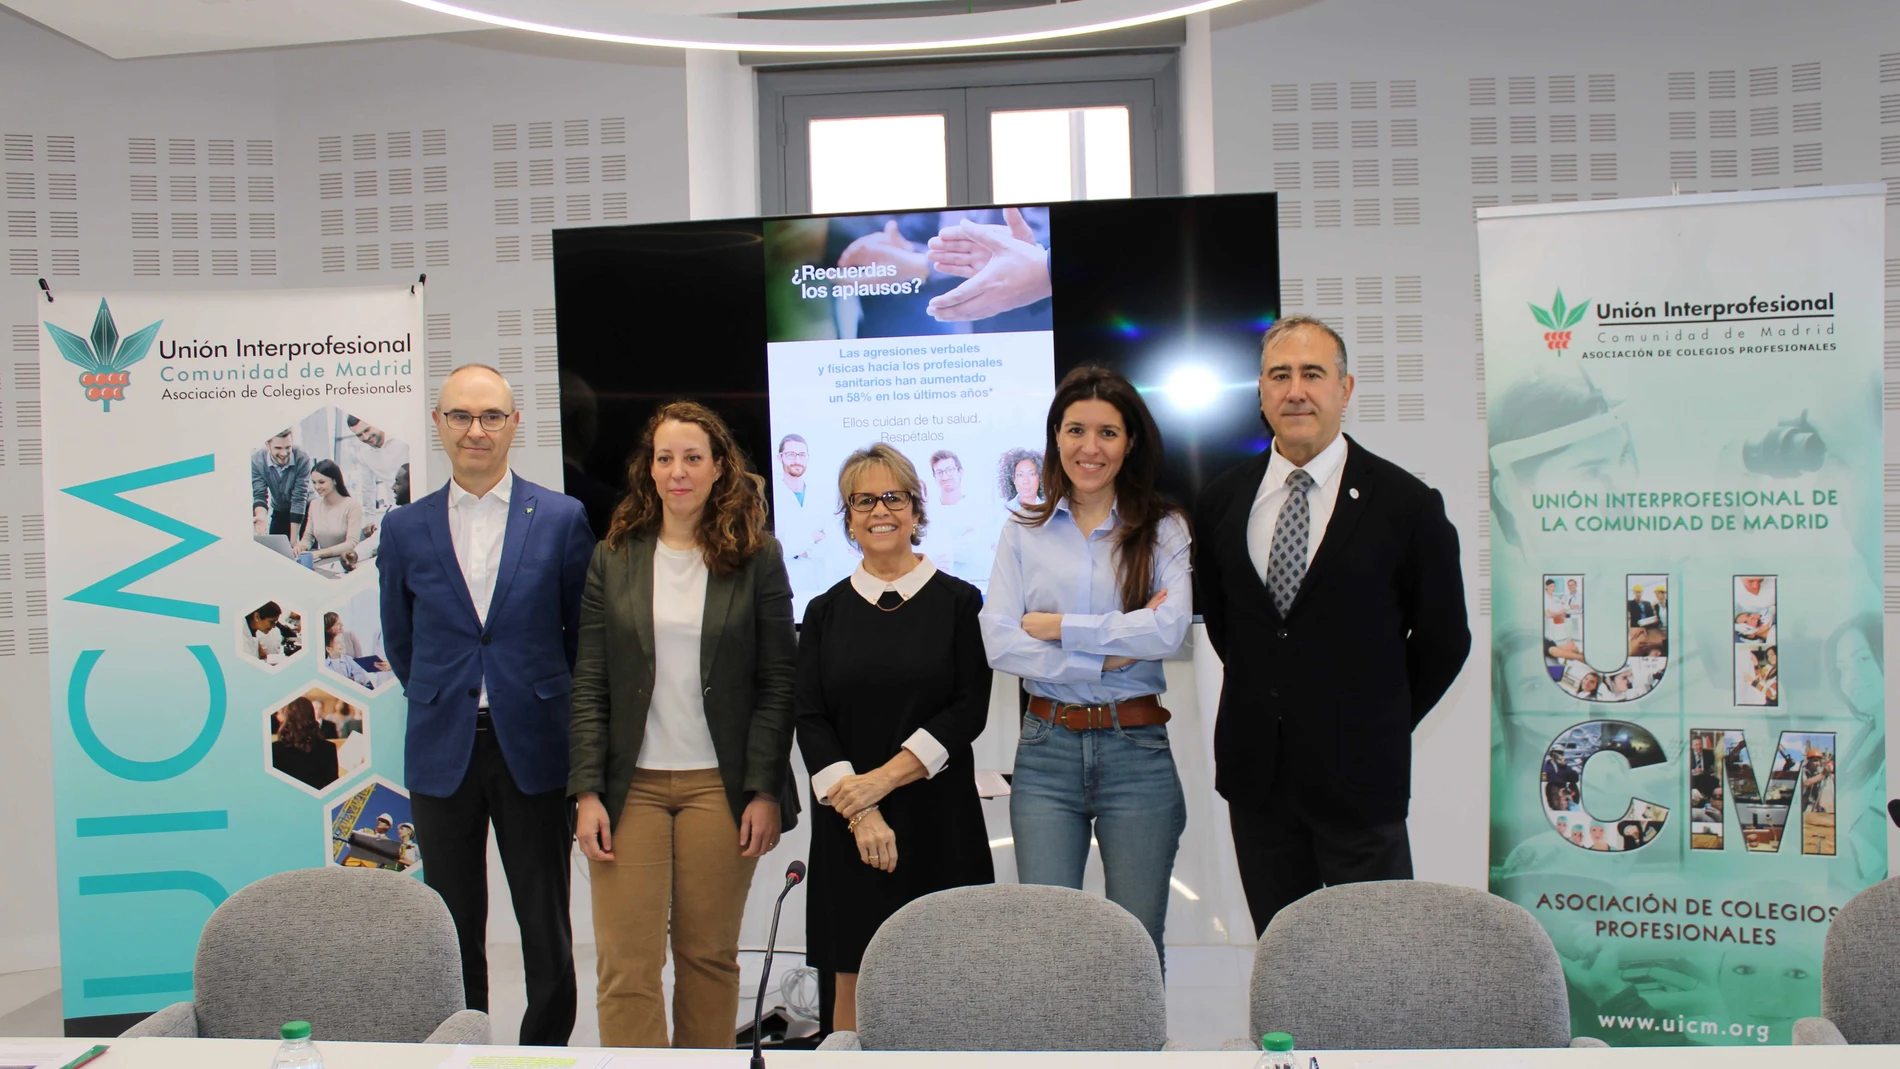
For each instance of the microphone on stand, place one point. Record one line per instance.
(1893, 810)
(794, 875)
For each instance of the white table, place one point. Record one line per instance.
(256, 1054)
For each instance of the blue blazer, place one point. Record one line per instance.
(441, 651)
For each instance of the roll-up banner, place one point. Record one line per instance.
(1689, 745)
(218, 467)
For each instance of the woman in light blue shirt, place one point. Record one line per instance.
(1090, 590)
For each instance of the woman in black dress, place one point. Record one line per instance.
(893, 687)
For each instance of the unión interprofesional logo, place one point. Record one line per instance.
(1558, 319)
(105, 357)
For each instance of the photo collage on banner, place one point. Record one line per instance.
(217, 478)
(373, 828)
(1803, 770)
(872, 337)
(1562, 783)
(1645, 605)
(1689, 725)
(1757, 664)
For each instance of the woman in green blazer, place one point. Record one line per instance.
(681, 729)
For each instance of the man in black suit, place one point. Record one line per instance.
(1702, 776)
(1559, 778)
(1643, 612)
(1330, 584)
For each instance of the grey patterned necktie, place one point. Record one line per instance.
(1286, 562)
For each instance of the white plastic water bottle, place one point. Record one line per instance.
(296, 1051)
(1276, 1052)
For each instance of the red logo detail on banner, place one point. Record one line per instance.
(105, 386)
(1557, 321)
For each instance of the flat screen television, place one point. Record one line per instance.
(942, 333)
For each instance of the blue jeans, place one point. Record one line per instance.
(1120, 779)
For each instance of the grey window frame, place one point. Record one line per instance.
(1147, 82)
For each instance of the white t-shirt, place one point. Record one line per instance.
(960, 535)
(677, 738)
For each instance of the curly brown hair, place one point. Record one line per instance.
(733, 525)
(299, 725)
(1006, 469)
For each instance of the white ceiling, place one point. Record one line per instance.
(130, 29)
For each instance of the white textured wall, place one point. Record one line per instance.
(334, 165)
(722, 142)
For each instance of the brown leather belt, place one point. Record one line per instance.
(1133, 713)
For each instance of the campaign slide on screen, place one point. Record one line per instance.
(930, 331)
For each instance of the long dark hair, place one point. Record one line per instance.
(298, 726)
(1142, 506)
(329, 470)
(732, 527)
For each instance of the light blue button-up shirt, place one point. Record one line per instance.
(1057, 568)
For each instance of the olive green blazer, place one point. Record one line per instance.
(747, 658)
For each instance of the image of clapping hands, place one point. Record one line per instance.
(1002, 265)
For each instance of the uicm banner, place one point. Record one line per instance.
(217, 469)
(1689, 733)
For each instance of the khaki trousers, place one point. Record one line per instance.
(676, 846)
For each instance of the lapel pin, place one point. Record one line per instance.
(530, 509)
(1353, 491)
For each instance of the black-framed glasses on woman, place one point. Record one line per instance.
(491, 421)
(895, 500)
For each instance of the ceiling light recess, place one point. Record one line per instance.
(591, 20)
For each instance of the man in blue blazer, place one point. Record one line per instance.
(481, 600)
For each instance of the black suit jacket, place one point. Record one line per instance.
(1330, 693)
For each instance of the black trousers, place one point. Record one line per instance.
(533, 832)
(280, 522)
(1288, 847)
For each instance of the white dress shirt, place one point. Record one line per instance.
(921, 744)
(1265, 515)
(677, 737)
(476, 528)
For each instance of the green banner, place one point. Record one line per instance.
(1688, 779)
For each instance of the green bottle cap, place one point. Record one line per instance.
(301, 1030)
(1278, 1042)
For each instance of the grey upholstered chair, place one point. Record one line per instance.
(1407, 964)
(362, 954)
(1860, 970)
(1009, 967)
